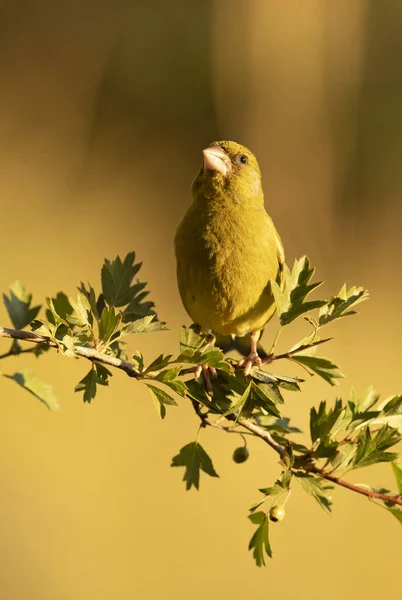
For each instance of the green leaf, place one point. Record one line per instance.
(284, 381)
(217, 404)
(269, 492)
(307, 341)
(190, 338)
(239, 405)
(392, 406)
(43, 328)
(371, 448)
(265, 397)
(18, 306)
(272, 391)
(340, 305)
(259, 543)
(398, 475)
(290, 386)
(98, 375)
(55, 317)
(160, 399)
(108, 324)
(194, 458)
(280, 425)
(81, 315)
(343, 457)
(43, 391)
(286, 479)
(117, 276)
(320, 366)
(212, 357)
(321, 421)
(397, 512)
(137, 308)
(290, 301)
(364, 402)
(91, 297)
(159, 363)
(146, 324)
(61, 306)
(288, 457)
(314, 486)
(280, 486)
(167, 375)
(263, 376)
(66, 346)
(138, 361)
(169, 378)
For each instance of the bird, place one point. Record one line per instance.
(228, 250)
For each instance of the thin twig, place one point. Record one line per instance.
(359, 490)
(12, 352)
(271, 357)
(129, 368)
(80, 351)
(261, 433)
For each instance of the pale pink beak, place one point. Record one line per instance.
(215, 159)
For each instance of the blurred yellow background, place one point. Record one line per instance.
(104, 110)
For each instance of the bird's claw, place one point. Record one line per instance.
(207, 372)
(250, 361)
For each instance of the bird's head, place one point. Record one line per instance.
(230, 171)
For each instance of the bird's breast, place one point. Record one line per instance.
(225, 261)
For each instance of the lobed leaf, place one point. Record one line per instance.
(340, 305)
(291, 300)
(145, 324)
(97, 375)
(371, 448)
(108, 324)
(194, 458)
(43, 391)
(18, 306)
(190, 338)
(116, 277)
(161, 399)
(322, 422)
(81, 314)
(159, 363)
(61, 306)
(323, 367)
(398, 475)
(266, 397)
(259, 542)
(316, 488)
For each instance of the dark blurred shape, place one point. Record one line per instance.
(156, 86)
(372, 179)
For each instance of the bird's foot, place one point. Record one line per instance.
(250, 361)
(207, 372)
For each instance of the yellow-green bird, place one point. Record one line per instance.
(227, 248)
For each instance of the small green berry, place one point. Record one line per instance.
(277, 513)
(240, 455)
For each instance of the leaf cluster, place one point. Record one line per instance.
(345, 435)
(97, 321)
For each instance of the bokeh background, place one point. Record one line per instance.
(104, 109)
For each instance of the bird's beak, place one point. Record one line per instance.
(215, 159)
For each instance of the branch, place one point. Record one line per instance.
(252, 428)
(359, 490)
(129, 368)
(289, 354)
(80, 351)
(13, 352)
(261, 433)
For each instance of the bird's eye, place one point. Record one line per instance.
(243, 159)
